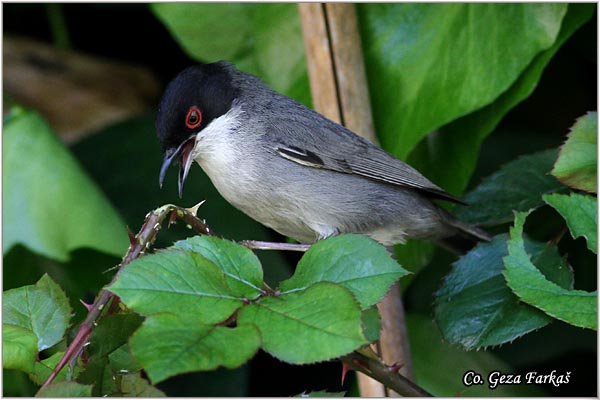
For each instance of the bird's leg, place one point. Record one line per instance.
(259, 245)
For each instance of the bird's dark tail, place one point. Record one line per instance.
(465, 238)
(470, 231)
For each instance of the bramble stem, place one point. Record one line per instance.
(139, 244)
(387, 375)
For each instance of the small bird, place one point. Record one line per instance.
(290, 168)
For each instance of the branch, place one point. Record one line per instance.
(387, 375)
(259, 245)
(139, 244)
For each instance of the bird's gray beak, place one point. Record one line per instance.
(184, 151)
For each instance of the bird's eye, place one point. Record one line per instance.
(193, 119)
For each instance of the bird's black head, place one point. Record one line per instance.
(198, 95)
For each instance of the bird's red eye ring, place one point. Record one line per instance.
(193, 119)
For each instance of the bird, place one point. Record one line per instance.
(292, 169)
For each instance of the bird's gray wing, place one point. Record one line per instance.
(341, 150)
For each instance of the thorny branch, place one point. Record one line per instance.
(386, 374)
(138, 245)
(141, 242)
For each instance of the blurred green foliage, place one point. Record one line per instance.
(50, 205)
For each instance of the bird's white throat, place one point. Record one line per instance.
(214, 147)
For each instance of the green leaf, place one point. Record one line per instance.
(122, 361)
(49, 203)
(474, 307)
(98, 373)
(240, 265)
(199, 28)
(551, 263)
(169, 344)
(262, 39)
(133, 385)
(112, 332)
(581, 214)
(429, 64)
(456, 146)
(576, 307)
(43, 369)
(109, 381)
(17, 384)
(578, 158)
(83, 275)
(354, 261)
(175, 279)
(65, 389)
(316, 324)
(19, 348)
(371, 323)
(42, 309)
(414, 254)
(439, 367)
(518, 185)
(279, 49)
(109, 360)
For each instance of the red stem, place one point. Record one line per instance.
(143, 240)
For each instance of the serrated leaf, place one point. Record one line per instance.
(106, 373)
(133, 385)
(414, 255)
(474, 307)
(518, 185)
(100, 376)
(42, 309)
(43, 369)
(578, 157)
(581, 214)
(371, 323)
(49, 203)
(168, 344)
(122, 361)
(576, 307)
(19, 348)
(240, 265)
(552, 264)
(440, 367)
(262, 39)
(65, 389)
(353, 261)
(323, 320)
(112, 332)
(175, 279)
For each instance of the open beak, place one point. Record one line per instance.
(184, 151)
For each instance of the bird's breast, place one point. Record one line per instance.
(255, 184)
